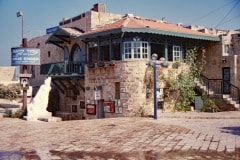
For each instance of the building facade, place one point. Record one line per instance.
(97, 61)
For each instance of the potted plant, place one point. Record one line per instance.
(111, 63)
(100, 64)
(90, 65)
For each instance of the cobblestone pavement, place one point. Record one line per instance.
(171, 136)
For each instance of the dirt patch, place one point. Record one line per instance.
(149, 155)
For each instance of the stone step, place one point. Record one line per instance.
(226, 97)
(237, 106)
(2, 110)
(1, 116)
(44, 119)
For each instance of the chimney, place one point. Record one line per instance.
(99, 7)
(24, 42)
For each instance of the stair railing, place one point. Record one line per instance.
(216, 85)
(235, 93)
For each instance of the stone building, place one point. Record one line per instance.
(7, 74)
(97, 61)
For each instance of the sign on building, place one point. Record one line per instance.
(97, 92)
(24, 83)
(91, 109)
(97, 95)
(51, 30)
(25, 56)
(109, 107)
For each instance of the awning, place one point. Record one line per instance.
(62, 35)
(147, 30)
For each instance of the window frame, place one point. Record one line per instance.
(135, 50)
(176, 53)
(226, 50)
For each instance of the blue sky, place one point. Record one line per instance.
(42, 14)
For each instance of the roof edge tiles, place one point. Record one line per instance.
(148, 30)
(171, 33)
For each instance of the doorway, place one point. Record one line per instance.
(226, 80)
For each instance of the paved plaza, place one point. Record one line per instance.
(172, 136)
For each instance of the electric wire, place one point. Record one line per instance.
(212, 11)
(228, 20)
(227, 14)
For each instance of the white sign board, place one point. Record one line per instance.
(97, 94)
(160, 93)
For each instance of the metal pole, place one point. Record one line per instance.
(25, 71)
(24, 91)
(22, 29)
(155, 90)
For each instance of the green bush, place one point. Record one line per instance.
(10, 114)
(209, 105)
(9, 93)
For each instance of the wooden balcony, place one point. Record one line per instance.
(66, 68)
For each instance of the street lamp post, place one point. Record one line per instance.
(20, 14)
(154, 64)
(24, 71)
(155, 89)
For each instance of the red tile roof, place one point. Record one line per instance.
(130, 21)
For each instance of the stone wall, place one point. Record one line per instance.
(130, 74)
(213, 58)
(236, 59)
(92, 19)
(238, 72)
(236, 43)
(102, 18)
(7, 74)
(64, 100)
(134, 77)
(83, 23)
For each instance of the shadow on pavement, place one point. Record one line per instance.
(6, 155)
(233, 130)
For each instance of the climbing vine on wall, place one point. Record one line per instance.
(184, 83)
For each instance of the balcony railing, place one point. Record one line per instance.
(62, 68)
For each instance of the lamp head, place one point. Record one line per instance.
(19, 14)
(154, 56)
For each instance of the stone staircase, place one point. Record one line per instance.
(226, 97)
(231, 101)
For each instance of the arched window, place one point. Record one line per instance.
(76, 54)
(66, 54)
